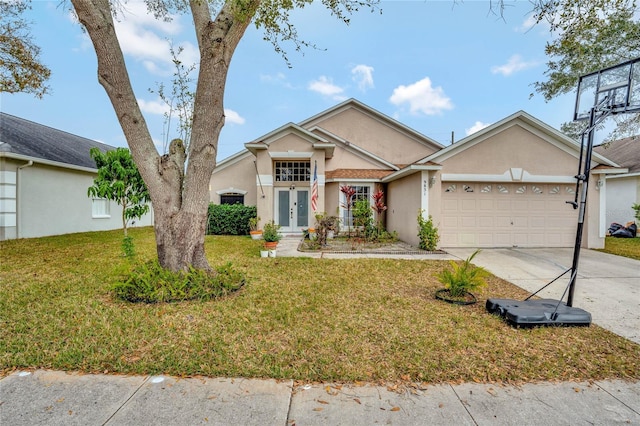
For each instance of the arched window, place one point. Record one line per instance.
(232, 198)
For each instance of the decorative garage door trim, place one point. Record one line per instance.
(500, 214)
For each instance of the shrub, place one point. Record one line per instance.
(229, 219)
(465, 277)
(636, 207)
(427, 233)
(150, 283)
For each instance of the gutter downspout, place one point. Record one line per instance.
(19, 198)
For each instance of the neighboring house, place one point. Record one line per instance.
(504, 186)
(622, 190)
(44, 177)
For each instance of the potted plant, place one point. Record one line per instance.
(254, 231)
(270, 235)
(460, 280)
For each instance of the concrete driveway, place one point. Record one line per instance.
(608, 286)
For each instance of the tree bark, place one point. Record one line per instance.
(179, 198)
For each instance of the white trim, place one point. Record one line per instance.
(8, 220)
(289, 154)
(602, 221)
(8, 205)
(47, 162)
(627, 175)
(505, 177)
(410, 170)
(7, 191)
(7, 177)
(106, 207)
(265, 180)
(343, 181)
(287, 129)
(424, 199)
(231, 190)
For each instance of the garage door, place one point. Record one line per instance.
(507, 215)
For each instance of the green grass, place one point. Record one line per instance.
(627, 247)
(299, 318)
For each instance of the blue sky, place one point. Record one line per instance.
(436, 66)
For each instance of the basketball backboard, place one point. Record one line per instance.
(613, 90)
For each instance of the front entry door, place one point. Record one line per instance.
(292, 209)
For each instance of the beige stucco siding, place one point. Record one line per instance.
(332, 198)
(241, 176)
(375, 136)
(290, 142)
(404, 202)
(517, 183)
(343, 159)
(515, 147)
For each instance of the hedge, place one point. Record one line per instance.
(229, 219)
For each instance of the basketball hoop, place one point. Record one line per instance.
(613, 90)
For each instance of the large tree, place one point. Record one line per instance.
(179, 188)
(20, 67)
(589, 35)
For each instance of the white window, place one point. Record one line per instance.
(362, 192)
(100, 208)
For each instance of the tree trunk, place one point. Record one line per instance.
(179, 198)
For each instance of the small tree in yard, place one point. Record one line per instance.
(119, 180)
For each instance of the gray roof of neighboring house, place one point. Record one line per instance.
(29, 139)
(625, 152)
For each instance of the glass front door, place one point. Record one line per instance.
(292, 209)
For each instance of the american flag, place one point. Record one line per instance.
(314, 188)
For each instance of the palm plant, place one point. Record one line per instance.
(463, 278)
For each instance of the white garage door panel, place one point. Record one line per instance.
(506, 215)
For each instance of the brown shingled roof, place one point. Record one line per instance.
(357, 173)
(625, 152)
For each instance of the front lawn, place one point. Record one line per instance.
(627, 247)
(305, 319)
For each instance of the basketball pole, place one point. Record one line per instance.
(584, 177)
(584, 188)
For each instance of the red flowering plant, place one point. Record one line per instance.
(348, 191)
(379, 207)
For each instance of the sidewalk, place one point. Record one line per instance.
(58, 398)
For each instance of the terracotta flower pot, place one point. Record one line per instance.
(270, 245)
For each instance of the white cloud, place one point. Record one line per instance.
(325, 87)
(513, 65)
(157, 107)
(363, 76)
(232, 116)
(144, 38)
(422, 98)
(477, 126)
(278, 79)
(528, 23)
